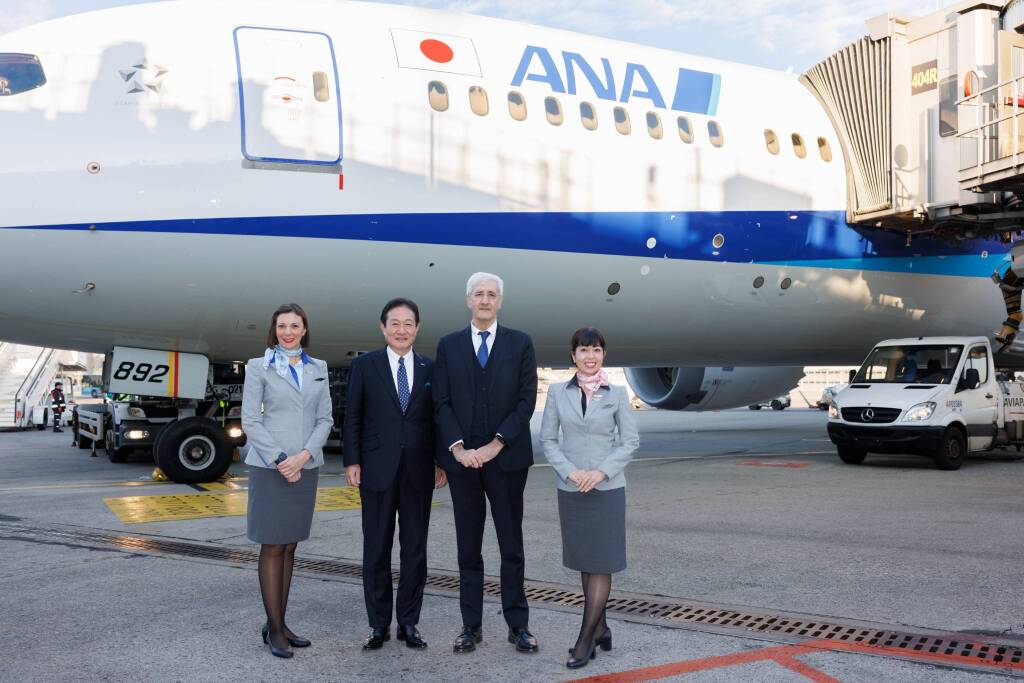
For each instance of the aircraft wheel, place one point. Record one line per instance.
(777, 405)
(193, 450)
(851, 456)
(952, 450)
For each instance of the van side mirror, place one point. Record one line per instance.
(971, 379)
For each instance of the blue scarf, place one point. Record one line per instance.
(278, 356)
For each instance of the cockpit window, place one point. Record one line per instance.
(19, 73)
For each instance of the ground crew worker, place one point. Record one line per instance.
(57, 405)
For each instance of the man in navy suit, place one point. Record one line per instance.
(389, 454)
(485, 390)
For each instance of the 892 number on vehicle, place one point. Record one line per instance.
(141, 372)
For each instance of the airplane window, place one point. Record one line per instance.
(321, 91)
(771, 140)
(798, 146)
(516, 106)
(478, 101)
(654, 125)
(588, 114)
(437, 92)
(715, 133)
(20, 73)
(622, 121)
(824, 149)
(685, 129)
(553, 110)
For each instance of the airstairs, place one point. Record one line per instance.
(26, 376)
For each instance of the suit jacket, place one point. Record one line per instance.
(279, 418)
(604, 439)
(377, 435)
(512, 388)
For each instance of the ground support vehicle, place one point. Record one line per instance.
(777, 403)
(940, 397)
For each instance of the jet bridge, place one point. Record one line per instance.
(929, 113)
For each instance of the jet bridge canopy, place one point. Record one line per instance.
(929, 113)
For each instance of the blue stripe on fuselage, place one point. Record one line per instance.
(815, 239)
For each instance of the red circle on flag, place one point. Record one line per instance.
(436, 51)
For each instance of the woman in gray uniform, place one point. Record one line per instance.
(286, 416)
(598, 439)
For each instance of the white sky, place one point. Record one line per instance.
(773, 33)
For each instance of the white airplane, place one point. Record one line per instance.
(203, 161)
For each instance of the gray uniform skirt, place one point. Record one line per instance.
(593, 530)
(280, 512)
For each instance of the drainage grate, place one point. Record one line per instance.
(971, 652)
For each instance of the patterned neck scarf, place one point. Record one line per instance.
(593, 383)
(279, 357)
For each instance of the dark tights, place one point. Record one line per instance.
(275, 571)
(596, 588)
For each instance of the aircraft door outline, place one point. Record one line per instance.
(289, 117)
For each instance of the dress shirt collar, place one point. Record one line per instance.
(492, 329)
(393, 357)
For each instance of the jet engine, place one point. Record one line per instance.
(696, 389)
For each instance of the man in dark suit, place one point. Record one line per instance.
(485, 390)
(389, 454)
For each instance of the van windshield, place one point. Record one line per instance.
(19, 73)
(910, 365)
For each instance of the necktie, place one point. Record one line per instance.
(481, 354)
(403, 385)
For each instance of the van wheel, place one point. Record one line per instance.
(952, 450)
(777, 405)
(851, 456)
(193, 450)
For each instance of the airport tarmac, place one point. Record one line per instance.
(755, 555)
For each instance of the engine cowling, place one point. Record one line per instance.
(696, 389)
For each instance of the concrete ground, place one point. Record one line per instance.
(750, 510)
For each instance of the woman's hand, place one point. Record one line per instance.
(291, 468)
(577, 476)
(588, 480)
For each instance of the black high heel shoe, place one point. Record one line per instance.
(296, 641)
(584, 660)
(605, 641)
(274, 649)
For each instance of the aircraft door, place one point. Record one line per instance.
(288, 98)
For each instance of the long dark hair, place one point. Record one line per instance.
(288, 308)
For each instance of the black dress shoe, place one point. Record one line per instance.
(293, 641)
(274, 649)
(524, 641)
(467, 640)
(411, 636)
(605, 641)
(377, 638)
(574, 663)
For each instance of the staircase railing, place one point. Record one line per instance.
(31, 381)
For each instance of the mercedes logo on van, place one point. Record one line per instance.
(867, 415)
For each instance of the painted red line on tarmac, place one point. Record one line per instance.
(805, 670)
(653, 673)
(765, 463)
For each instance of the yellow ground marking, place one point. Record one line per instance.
(184, 506)
(221, 486)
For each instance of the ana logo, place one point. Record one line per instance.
(695, 91)
(141, 77)
(867, 415)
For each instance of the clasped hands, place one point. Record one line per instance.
(586, 480)
(291, 468)
(476, 457)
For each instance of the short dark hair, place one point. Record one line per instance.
(288, 308)
(587, 336)
(398, 303)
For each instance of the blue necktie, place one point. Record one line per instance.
(481, 354)
(403, 385)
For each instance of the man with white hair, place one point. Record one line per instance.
(485, 390)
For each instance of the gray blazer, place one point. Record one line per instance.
(277, 417)
(603, 440)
